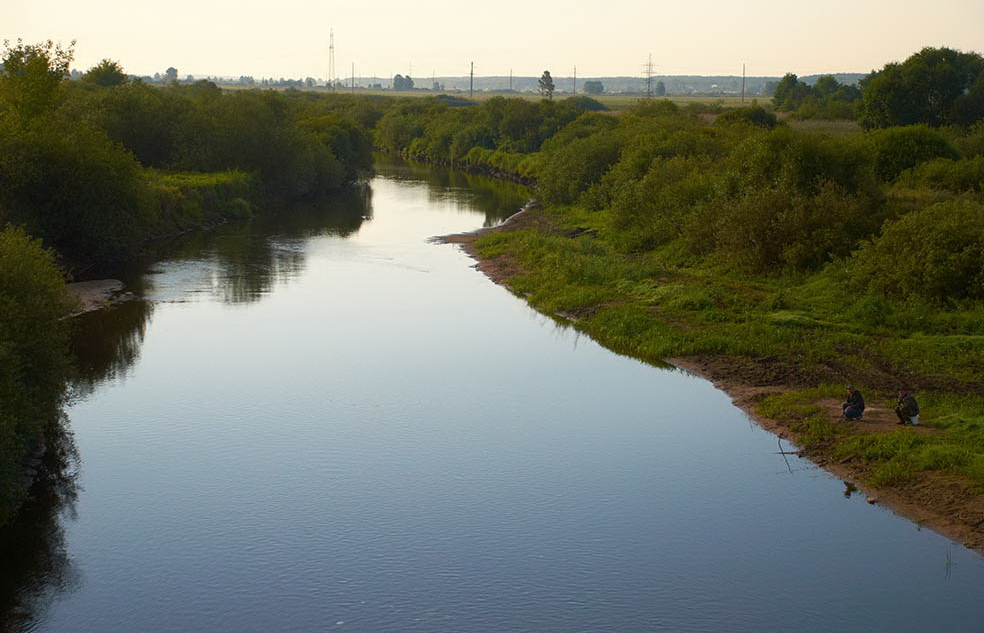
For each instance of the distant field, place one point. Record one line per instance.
(615, 102)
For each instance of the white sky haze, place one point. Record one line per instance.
(290, 38)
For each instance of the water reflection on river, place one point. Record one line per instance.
(336, 423)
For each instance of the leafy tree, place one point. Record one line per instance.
(32, 77)
(825, 86)
(106, 73)
(660, 90)
(402, 83)
(790, 93)
(936, 86)
(546, 84)
(170, 75)
(594, 87)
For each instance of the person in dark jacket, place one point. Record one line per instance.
(907, 408)
(854, 407)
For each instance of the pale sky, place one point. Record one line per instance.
(290, 38)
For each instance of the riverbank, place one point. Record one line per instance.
(937, 500)
(98, 294)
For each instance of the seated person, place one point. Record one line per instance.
(907, 408)
(854, 406)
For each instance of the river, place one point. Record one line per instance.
(336, 423)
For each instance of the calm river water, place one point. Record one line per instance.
(334, 423)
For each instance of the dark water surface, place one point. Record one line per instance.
(338, 424)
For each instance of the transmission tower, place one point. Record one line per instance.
(649, 76)
(331, 59)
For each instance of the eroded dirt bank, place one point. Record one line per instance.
(933, 500)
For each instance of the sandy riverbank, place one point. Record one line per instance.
(98, 294)
(934, 500)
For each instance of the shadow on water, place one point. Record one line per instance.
(497, 199)
(240, 263)
(244, 262)
(36, 565)
(107, 343)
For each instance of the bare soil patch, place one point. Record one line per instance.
(98, 294)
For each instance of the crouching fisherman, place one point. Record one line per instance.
(854, 406)
(907, 408)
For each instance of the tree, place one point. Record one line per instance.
(594, 87)
(936, 86)
(106, 73)
(171, 75)
(825, 86)
(402, 83)
(31, 76)
(546, 85)
(790, 93)
(660, 89)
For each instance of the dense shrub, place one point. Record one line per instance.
(750, 115)
(572, 168)
(146, 120)
(75, 188)
(801, 162)
(936, 253)
(943, 174)
(893, 150)
(654, 210)
(33, 352)
(776, 230)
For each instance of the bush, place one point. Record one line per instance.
(571, 169)
(751, 115)
(33, 352)
(896, 149)
(936, 253)
(75, 188)
(776, 230)
(944, 174)
(801, 162)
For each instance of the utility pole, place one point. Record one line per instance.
(471, 81)
(743, 83)
(510, 80)
(353, 77)
(575, 81)
(331, 59)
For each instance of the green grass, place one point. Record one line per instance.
(641, 307)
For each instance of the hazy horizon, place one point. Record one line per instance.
(290, 39)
